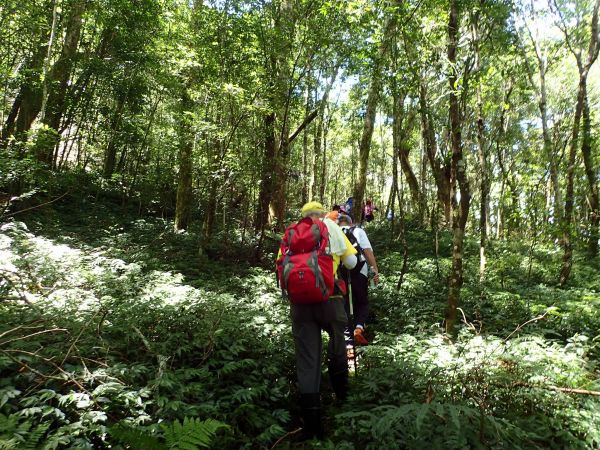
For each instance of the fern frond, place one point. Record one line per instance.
(191, 434)
(10, 444)
(35, 437)
(134, 438)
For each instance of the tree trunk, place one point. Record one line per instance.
(401, 148)
(584, 69)
(266, 181)
(214, 165)
(440, 170)
(588, 162)
(323, 181)
(30, 94)
(281, 96)
(365, 148)
(110, 157)
(485, 187)
(482, 154)
(184, 179)
(58, 83)
(458, 175)
(369, 121)
(411, 179)
(9, 124)
(211, 210)
(567, 264)
(308, 175)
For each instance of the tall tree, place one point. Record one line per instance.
(544, 57)
(458, 174)
(186, 146)
(373, 94)
(58, 83)
(583, 67)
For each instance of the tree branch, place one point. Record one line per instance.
(307, 120)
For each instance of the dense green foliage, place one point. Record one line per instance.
(118, 334)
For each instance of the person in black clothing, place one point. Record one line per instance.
(358, 278)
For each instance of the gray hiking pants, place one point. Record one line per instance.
(307, 322)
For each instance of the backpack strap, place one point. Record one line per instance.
(360, 257)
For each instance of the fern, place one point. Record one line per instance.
(35, 437)
(135, 438)
(191, 434)
(10, 444)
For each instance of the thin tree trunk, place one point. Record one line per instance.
(284, 25)
(307, 160)
(485, 188)
(59, 78)
(401, 148)
(214, 165)
(266, 181)
(184, 179)
(569, 193)
(458, 176)
(48, 57)
(588, 162)
(319, 144)
(110, 158)
(584, 68)
(542, 64)
(440, 171)
(411, 179)
(323, 181)
(482, 153)
(402, 237)
(369, 120)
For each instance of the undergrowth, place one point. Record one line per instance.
(118, 333)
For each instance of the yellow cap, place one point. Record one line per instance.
(312, 207)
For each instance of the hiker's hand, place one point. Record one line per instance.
(376, 278)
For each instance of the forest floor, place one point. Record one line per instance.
(116, 333)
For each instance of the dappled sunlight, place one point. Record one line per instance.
(149, 341)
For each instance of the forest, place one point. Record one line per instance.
(152, 153)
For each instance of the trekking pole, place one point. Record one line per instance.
(354, 356)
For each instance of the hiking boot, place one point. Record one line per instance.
(339, 383)
(311, 413)
(359, 337)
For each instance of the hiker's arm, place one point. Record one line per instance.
(370, 257)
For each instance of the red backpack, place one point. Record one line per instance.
(304, 268)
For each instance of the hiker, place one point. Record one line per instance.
(348, 206)
(333, 214)
(358, 278)
(368, 210)
(307, 277)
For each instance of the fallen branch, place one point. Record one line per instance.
(575, 391)
(77, 338)
(36, 206)
(535, 319)
(555, 388)
(285, 436)
(33, 334)
(50, 362)
(29, 368)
